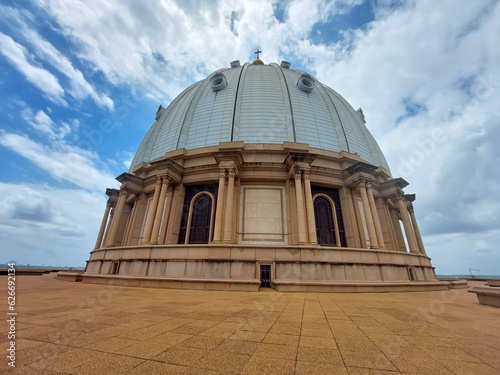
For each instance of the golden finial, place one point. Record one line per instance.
(258, 61)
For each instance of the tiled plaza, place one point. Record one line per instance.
(74, 328)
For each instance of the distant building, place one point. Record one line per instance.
(261, 176)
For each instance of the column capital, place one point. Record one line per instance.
(361, 184)
(307, 174)
(231, 172)
(124, 190)
(222, 172)
(410, 208)
(400, 196)
(297, 173)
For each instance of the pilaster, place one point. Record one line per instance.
(374, 212)
(410, 236)
(152, 213)
(368, 216)
(311, 222)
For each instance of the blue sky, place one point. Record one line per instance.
(80, 83)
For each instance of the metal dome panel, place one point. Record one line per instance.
(259, 104)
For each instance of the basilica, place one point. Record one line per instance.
(260, 176)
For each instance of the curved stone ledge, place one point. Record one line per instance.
(358, 286)
(173, 283)
(487, 296)
(280, 253)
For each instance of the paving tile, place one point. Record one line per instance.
(279, 338)
(171, 339)
(203, 342)
(71, 359)
(106, 363)
(318, 342)
(316, 332)
(111, 345)
(319, 355)
(238, 346)
(315, 368)
(156, 368)
(467, 368)
(370, 360)
(449, 354)
(141, 349)
(490, 357)
(201, 371)
(416, 362)
(367, 371)
(224, 362)
(262, 365)
(181, 355)
(248, 336)
(276, 351)
(361, 344)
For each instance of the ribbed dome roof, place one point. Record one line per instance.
(259, 104)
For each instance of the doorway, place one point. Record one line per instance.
(265, 276)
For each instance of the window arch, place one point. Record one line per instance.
(327, 229)
(200, 219)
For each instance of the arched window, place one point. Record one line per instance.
(200, 219)
(192, 193)
(325, 224)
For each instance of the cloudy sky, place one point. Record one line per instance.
(80, 83)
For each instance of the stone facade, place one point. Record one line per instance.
(214, 217)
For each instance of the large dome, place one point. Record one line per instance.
(259, 104)
(257, 177)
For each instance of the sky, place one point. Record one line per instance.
(80, 82)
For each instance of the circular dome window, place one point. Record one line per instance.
(218, 82)
(306, 83)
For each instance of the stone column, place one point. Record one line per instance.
(220, 206)
(352, 219)
(311, 222)
(300, 207)
(376, 219)
(131, 223)
(396, 224)
(410, 236)
(166, 215)
(103, 226)
(118, 215)
(359, 220)
(159, 212)
(108, 228)
(368, 216)
(152, 213)
(228, 220)
(420, 243)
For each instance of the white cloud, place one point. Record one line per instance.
(40, 78)
(44, 225)
(79, 87)
(62, 161)
(44, 124)
(164, 45)
(457, 253)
